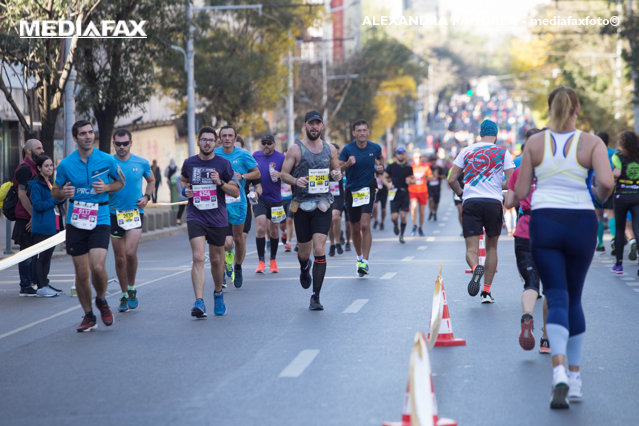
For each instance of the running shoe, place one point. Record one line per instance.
(475, 281)
(105, 311)
(487, 298)
(331, 251)
(362, 268)
(46, 291)
(287, 247)
(133, 298)
(544, 346)
(28, 291)
(238, 280)
(395, 228)
(421, 233)
(219, 308)
(600, 248)
(574, 391)
(435, 217)
(617, 269)
(272, 266)
(526, 338)
(315, 304)
(57, 290)
(347, 247)
(633, 250)
(199, 309)
(559, 388)
(305, 276)
(381, 226)
(339, 249)
(228, 260)
(401, 239)
(414, 231)
(375, 225)
(124, 306)
(261, 266)
(88, 323)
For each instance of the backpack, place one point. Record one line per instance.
(9, 201)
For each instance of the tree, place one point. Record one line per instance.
(116, 75)
(39, 59)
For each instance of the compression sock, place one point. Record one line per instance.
(261, 244)
(319, 270)
(402, 229)
(274, 243)
(612, 223)
(600, 232)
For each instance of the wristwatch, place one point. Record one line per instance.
(242, 177)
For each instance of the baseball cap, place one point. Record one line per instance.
(400, 150)
(488, 128)
(313, 115)
(269, 138)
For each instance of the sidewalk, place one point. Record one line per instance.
(154, 218)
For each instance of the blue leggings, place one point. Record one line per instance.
(563, 242)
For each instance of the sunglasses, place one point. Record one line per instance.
(122, 143)
(267, 143)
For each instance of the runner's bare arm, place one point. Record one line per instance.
(336, 171)
(455, 172)
(292, 158)
(522, 186)
(603, 174)
(146, 197)
(252, 174)
(508, 173)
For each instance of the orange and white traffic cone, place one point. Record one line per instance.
(436, 420)
(445, 336)
(406, 421)
(481, 252)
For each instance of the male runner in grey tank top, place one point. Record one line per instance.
(308, 166)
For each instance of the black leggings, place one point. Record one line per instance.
(42, 262)
(623, 205)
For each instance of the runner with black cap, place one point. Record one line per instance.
(309, 166)
(396, 180)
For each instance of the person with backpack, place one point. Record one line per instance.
(45, 222)
(22, 229)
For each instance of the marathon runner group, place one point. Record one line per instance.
(304, 192)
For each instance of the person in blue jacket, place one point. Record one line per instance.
(45, 222)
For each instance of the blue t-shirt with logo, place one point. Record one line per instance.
(82, 175)
(134, 169)
(241, 161)
(362, 173)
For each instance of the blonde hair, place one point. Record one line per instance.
(562, 104)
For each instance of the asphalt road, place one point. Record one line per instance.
(270, 361)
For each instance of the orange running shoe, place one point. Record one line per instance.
(260, 267)
(273, 267)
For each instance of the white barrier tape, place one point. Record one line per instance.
(179, 203)
(35, 249)
(437, 310)
(423, 406)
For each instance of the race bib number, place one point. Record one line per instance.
(287, 191)
(318, 182)
(84, 215)
(392, 193)
(230, 200)
(205, 197)
(128, 219)
(277, 214)
(334, 187)
(379, 183)
(361, 197)
(433, 183)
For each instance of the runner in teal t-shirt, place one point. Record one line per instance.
(127, 215)
(245, 168)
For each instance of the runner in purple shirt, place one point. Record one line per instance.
(206, 177)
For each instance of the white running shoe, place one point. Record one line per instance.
(574, 393)
(46, 291)
(559, 388)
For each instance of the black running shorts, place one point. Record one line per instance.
(215, 235)
(80, 241)
(482, 213)
(313, 222)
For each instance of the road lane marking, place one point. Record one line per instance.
(436, 231)
(388, 275)
(408, 258)
(299, 364)
(429, 239)
(627, 278)
(442, 224)
(355, 306)
(422, 247)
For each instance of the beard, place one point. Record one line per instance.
(311, 137)
(205, 152)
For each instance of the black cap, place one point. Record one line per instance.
(313, 115)
(269, 138)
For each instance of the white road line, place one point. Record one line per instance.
(627, 278)
(408, 258)
(442, 225)
(66, 311)
(299, 364)
(634, 283)
(355, 306)
(636, 289)
(422, 247)
(436, 231)
(429, 239)
(388, 275)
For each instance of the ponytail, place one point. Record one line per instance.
(562, 104)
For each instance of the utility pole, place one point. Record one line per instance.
(325, 39)
(69, 105)
(633, 52)
(289, 102)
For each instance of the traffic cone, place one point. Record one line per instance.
(405, 412)
(481, 252)
(445, 336)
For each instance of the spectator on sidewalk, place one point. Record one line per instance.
(22, 229)
(45, 222)
(158, 179)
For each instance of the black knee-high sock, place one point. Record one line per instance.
(402, 229)
(261, 244)
(304, 263)
(274, 243)
(319, 270)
